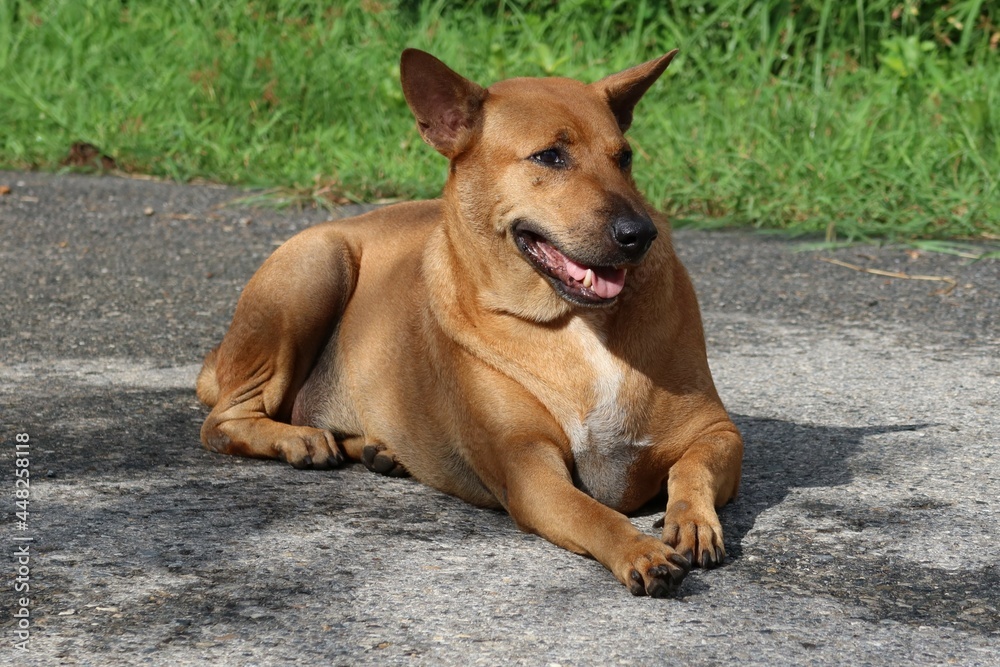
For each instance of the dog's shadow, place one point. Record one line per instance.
(781, 455)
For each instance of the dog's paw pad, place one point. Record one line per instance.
(636, 584)
(379, 458)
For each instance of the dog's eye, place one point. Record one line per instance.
(625, 160)
(550, 157)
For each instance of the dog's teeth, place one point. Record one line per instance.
(588, 279)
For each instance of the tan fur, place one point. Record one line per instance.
(421, 338)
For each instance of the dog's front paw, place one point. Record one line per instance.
(654, 569)
(379, 458)
(305, 447)
(697, 535)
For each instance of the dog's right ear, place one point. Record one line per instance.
(624, 89)
(446, 105)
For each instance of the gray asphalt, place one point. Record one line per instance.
(866, 531)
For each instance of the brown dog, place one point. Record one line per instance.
(529, 340)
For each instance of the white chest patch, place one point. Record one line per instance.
(603, 448)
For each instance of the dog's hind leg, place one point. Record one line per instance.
(206, 386)
(284, 318)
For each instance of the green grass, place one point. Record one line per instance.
(853, 120)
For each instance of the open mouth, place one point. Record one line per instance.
(579, 283)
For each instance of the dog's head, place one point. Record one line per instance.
(541, 177)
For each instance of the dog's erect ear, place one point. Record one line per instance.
(626, 88)
(446, 105)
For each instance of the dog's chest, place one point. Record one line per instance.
(601, 434)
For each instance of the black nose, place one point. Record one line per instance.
(633, 235)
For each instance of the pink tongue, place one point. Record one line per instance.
(607, 282)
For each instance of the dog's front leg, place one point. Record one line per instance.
(706, 477)
(538, 493)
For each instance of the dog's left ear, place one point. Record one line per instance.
(446, 105)
(624, 89)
